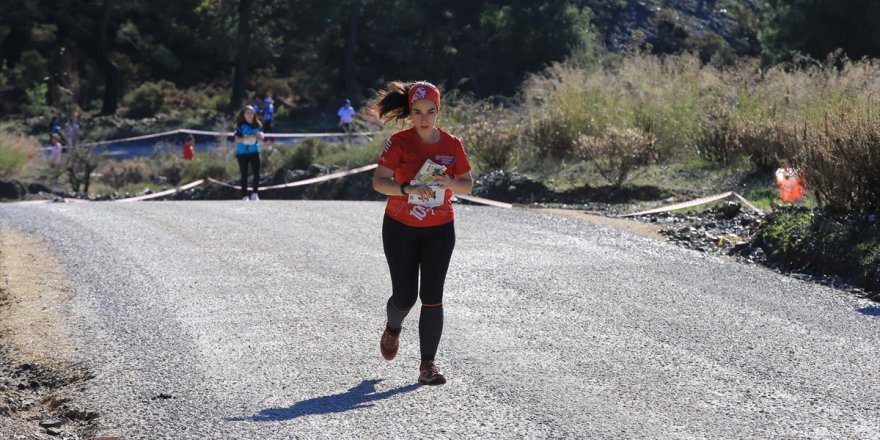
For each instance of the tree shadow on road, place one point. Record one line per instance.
(357, 397)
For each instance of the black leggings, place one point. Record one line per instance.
(414, 252)
(252, 159)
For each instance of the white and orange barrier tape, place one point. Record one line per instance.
(695, 202)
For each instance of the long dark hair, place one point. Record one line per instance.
(239, 118)
(392, 104)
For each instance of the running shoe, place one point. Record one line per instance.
(388, 345)
(430, 375)
(255, 197)
(245, 198)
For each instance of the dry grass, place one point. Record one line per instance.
(821, 117)
(17, 155)
(840, 155)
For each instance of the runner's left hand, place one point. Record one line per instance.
(443, 181)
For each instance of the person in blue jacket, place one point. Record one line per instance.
(268, 114)
(248, 134)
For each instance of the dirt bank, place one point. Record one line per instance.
(39, 371)
(634, 227)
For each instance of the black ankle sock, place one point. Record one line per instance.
(395, 318)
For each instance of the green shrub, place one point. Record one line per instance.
(301, 155)
(354, 157)
(215, 163)
(200, 169)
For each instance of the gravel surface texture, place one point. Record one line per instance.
(262, 321)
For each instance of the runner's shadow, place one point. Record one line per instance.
(358, 397)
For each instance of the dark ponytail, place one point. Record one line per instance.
(392, 103)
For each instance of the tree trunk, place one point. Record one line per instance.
(348, 69)
(239, 77)
(111, 71)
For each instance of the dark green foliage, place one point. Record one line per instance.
(819, 27)
(144, 101)
(806, 240)
(302, 52)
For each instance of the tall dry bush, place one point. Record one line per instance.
(725, 137)
(17, 153)
(117, 174)
(492, 143)
(171, 167)
(716, 141)
(618, 152)
(492, 132)
(659, 96)
(215, 163)
(561, 104)
(764, 143)
(721, 114)
(840, 156)
(79, 164)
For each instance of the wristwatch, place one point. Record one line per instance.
(402, 186)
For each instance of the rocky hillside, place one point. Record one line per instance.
(669, 26)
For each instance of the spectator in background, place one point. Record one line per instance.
(268, 114)
(346, 118)
(55, 126)
(189, 148)
(71, 128)
(55, 156)
(258, 109)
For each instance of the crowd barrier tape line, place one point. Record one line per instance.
(483, 201)
(331, 176)
(40, 202)
(336, 175)
(163, 193)
(223, 134)
(695, 202)
(749, 204)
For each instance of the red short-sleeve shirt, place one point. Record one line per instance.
(404, 154)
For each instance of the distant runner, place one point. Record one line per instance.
(248, 134)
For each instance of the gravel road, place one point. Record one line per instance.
(262, 320)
